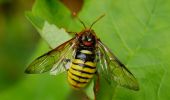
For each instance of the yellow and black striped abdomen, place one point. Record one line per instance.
(82, 69)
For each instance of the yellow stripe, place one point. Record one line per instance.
(86, 51)
(85, 69)
(77, 78)
(73, 83)
(78, 61)
(80, 74)
(89, 63)
(82, 84)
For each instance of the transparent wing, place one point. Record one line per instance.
(113, 70)
(46, 62)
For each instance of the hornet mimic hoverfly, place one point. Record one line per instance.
(83, 57)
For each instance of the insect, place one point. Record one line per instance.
(83, 57)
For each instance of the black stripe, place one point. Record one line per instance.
(83, 65)
(77, 81)
(82, 47)
(85, 57)
(79, 76)
(82, 71)
(75, 86)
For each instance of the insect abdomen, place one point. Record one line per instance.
(82, 68)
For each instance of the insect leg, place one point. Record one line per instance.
(97, 84)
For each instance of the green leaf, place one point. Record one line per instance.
(136, 31)
(89, 90)
(49, 31)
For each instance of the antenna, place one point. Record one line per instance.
(97, 20)
(82, 22)
(75, 14)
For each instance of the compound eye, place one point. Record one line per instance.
(89, 39)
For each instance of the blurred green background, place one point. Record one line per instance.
(18, 40)
(137, 31)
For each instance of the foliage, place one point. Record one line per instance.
(136, 31)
